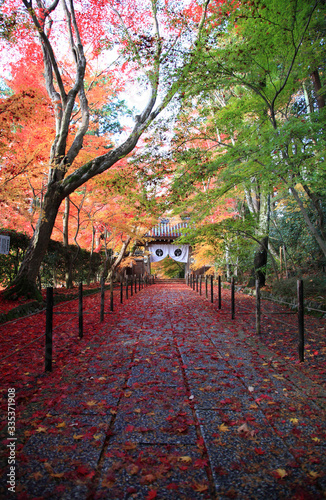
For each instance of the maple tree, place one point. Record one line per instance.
(149, 39)
(248, 128)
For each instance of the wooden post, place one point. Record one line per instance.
(102, 300)
(48, 329)
(126, 287)
(135, 283)
(232, 298)
(258, 309)
(206, 286)
(300, 319)
(131, 286)
(139, 283)
(200, 284)
(197, 283)
(193, 281)
(219, 293)
(121, 292)
(80, 311)
(212, 290)
(111, 293)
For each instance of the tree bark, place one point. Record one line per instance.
(118, 258)
(318, 87)
(62, 156)
(259, 203)
(321, 242)
(25, 282)
(68, 261)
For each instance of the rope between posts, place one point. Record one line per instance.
(21, 348)
(293, 304)
(58, 326)
(42, 336)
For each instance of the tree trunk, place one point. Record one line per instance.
(261, 202)
(260, 261)
(63, 156)
(91, 256)
(68, 260)
(116, 262)
(318, 87)
(321, 242)
(25, 282)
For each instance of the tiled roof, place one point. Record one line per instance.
(167, 230)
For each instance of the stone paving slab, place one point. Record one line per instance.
(170, 401)
(136, 470)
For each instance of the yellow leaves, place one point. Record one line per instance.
(77, 437)
(313, 474)
(200, 487)
(203, 255)
(316, 439)
(97, 437)
(48, 467)
(223, 428)
(294, 420)
(101, 379)
(37, 475)
(185, 459)
(281, 473)
(61, 425)
(127, 394)
(49, 470)
(128, 446)
(41, 429)
(59, 475)
(113, 412)
(91, 403)
(137, 410)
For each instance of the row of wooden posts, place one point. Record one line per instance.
(128, 287)
(196, 282)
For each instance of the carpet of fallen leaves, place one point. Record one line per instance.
(168, 398)
(279, 332)
(7, 305)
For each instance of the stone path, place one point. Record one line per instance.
(168, 400)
